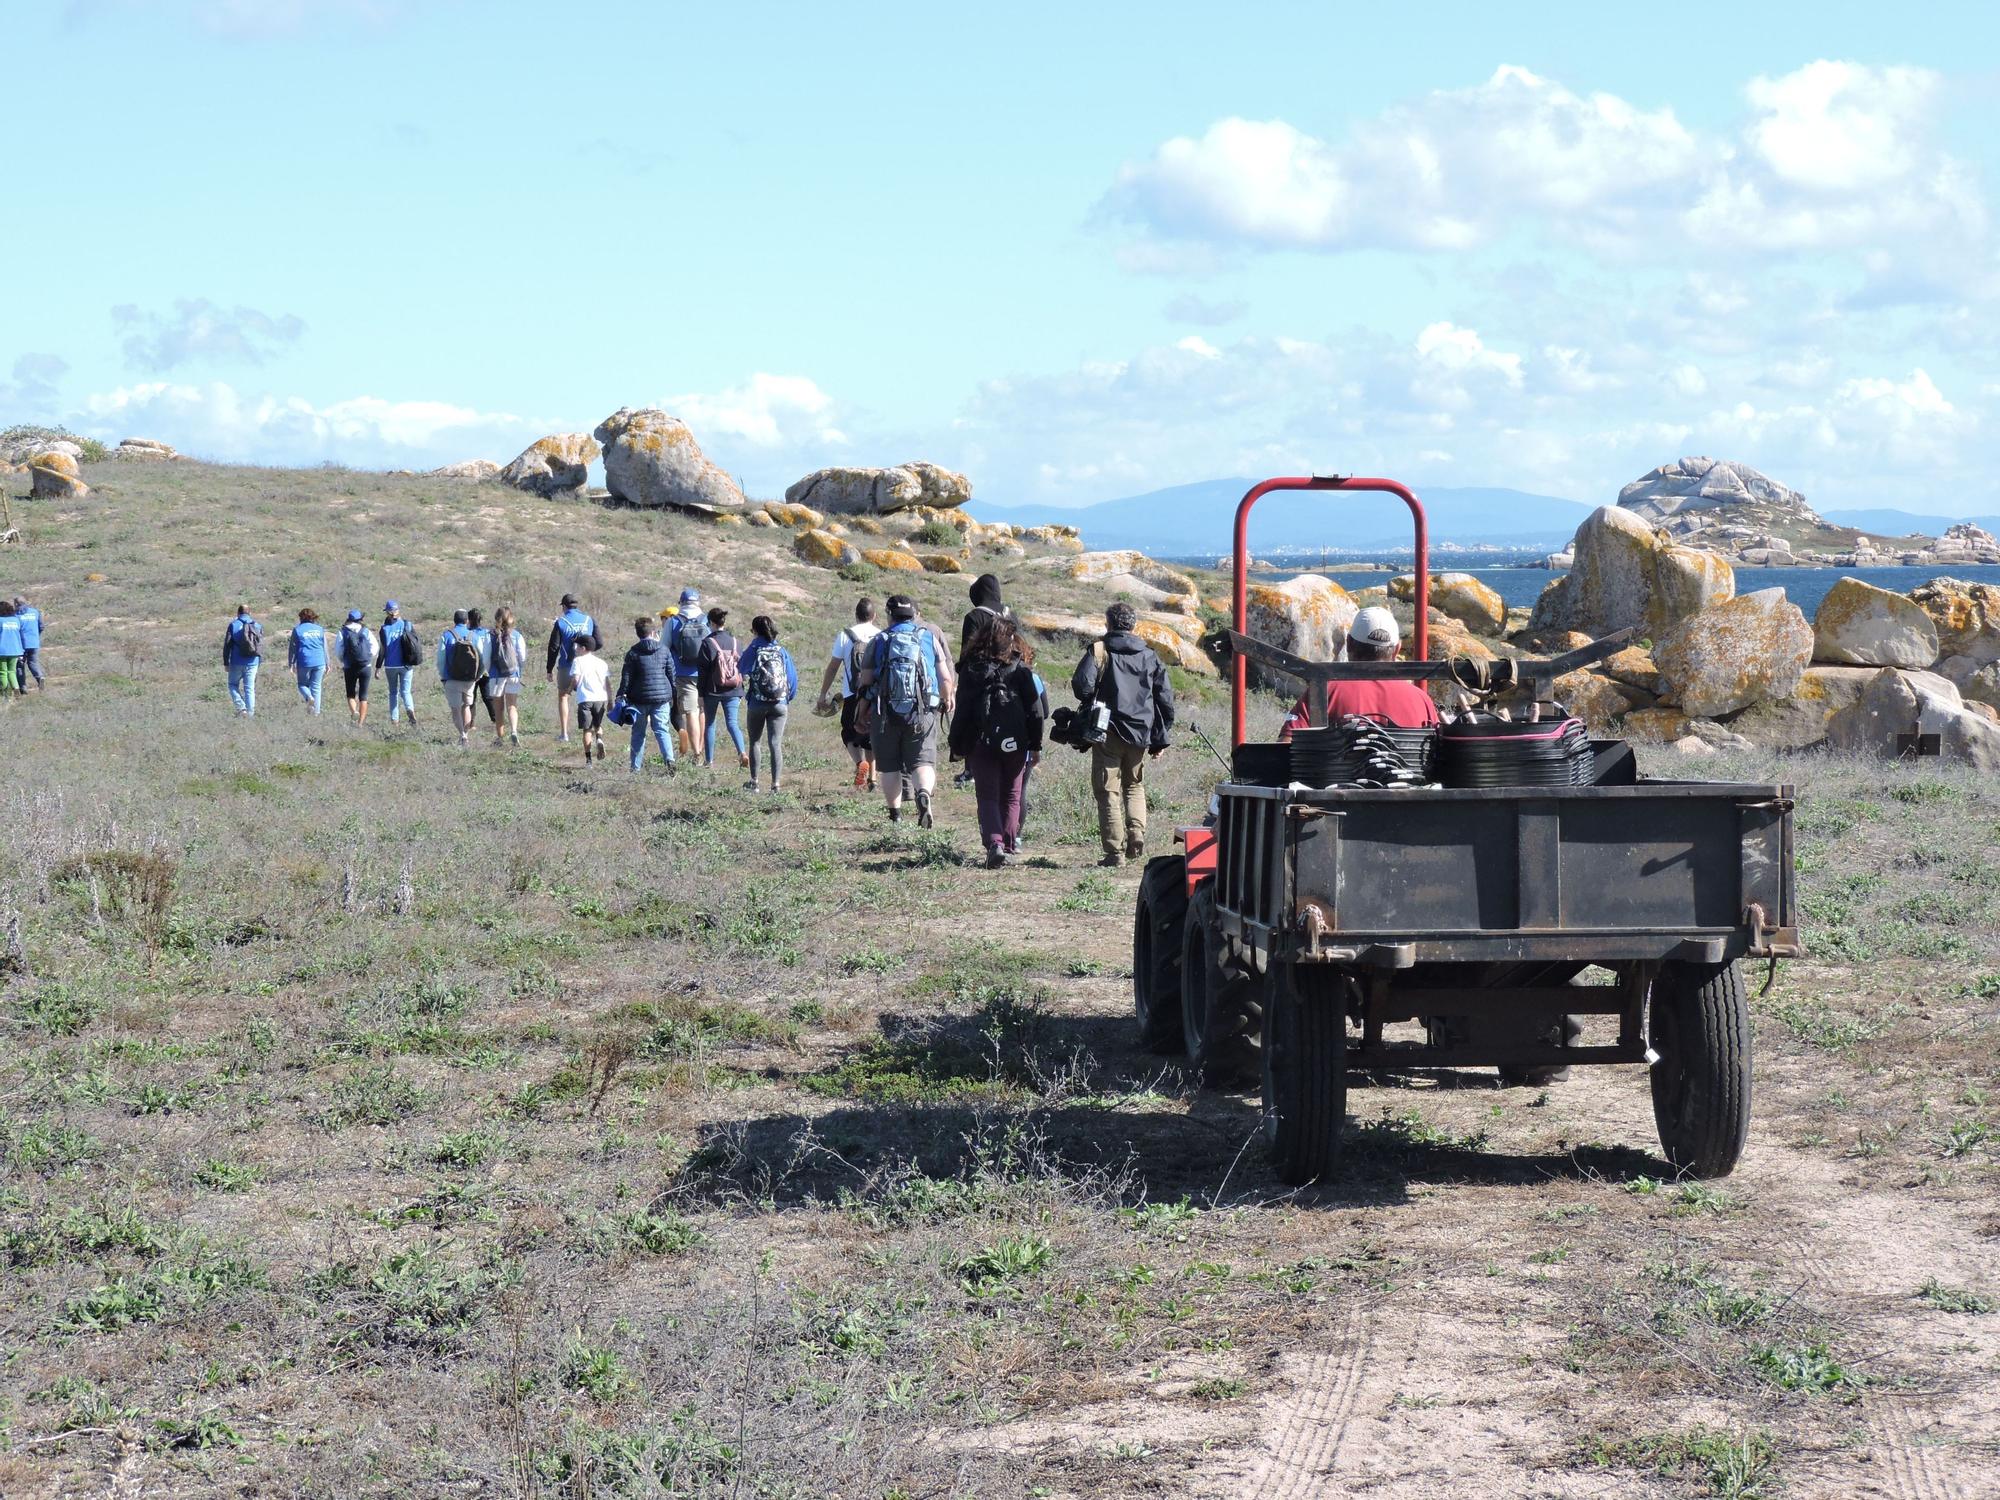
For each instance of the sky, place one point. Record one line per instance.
(1076, 251)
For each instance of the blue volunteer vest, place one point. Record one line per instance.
(10, 635)
(310, 638)
(31, 627)
(395, 653)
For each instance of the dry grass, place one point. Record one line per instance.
(386, 1119)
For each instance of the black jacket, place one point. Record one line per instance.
(985, 604)
(1000, 698)
(648, 675)
(712, 648)
(1134, 686)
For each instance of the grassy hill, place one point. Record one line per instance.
(382, 1118)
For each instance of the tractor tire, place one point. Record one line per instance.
(1699, 1024)
(1157, 935)
(1305, 1070)
(1221, 1015)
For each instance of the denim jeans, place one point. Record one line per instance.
(310, 680)
(400, 701)
(243, 685)
(658, 718)
(730, 711)
(30, 666)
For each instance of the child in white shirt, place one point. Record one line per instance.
(592, 676)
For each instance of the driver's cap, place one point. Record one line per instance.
(1375, 626)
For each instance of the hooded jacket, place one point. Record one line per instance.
(1133, 684)
(647, 679)
(995, 695)
(985, 603)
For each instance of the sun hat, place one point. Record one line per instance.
(391, 607)
(690, 596)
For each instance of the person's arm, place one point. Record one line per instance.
(791, 674)
(555, 649)
(947, 672)
(1083, 681)
(1037, 705)
(1163, 706)
(292, 649)
(624, 675)
(833, 665)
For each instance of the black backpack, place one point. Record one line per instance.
(1003, 717)
(687, 642)
(461, 659)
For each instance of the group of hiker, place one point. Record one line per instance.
(21, 628)
(899, 690)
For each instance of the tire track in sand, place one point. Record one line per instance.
(1303, 1438)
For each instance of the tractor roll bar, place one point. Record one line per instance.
(1420, 643)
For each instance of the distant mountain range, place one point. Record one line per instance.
(1190, 520)
(1893, 523)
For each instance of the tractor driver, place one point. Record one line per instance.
(1388, 700)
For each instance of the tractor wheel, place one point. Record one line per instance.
(1699, 1023)
(1221, 1015)
(1157, 935)
(1305, 1069)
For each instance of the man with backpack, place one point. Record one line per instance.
(686, 630)
(850, 650)
(909, 679)
(242, 651)
(31, 644)
(721, 688)
(400, 652)
(570, 626)
(1121, 672)
(459, 668)
(356, 648)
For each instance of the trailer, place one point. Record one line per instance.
(1299, 925)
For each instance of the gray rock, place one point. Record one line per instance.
(21, 450)
(145, 450)
(1858, 624)
(1626, 572)
(553, 467)
(1742, 651)
(1707, 484)
(651, 459)
(863, 491)
(1899, 703)
(473, 469)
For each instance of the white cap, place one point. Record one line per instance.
(1375, 626)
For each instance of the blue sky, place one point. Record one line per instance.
(1078, 251)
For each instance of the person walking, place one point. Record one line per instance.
(572, 624)
(305, 654)
(506, 659)
(770, 683)
(850, 649)
(590, 675)
(12, 679)
(686, 629)
(32, 625)
(721, 687)
(996, 727)
(1121, 671)
(910, 681)
(646, 683)
(242, 653)
(357, 663)
(986, 607)
(400, 652)
(459, 667)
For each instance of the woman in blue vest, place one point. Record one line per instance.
(11, 677)
(305, 654)
(400, 654)
(31, 642)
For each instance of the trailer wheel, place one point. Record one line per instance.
(1158, 924)
(1699, 1023)
(1221, 1015)
(1305, 1069)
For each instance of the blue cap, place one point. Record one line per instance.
(390, 608)
(690, 596)
(354, 614)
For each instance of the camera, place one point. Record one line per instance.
(1080, 728)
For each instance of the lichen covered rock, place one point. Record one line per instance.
(842, 490)
(824, 549)
(54, 476)
(1141, 577)
(1860, 625)
(1733, 654)
(940, 562)
(1900, 702)
(1629, 574)
(558, 465)
(1800, 719)
(891, 560)
(652, 460)
(145, 450)
(1967, 617)
(1307, 616)
(473, 470)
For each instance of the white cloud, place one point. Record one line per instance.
(199, 331)
(1194, 343)
(31, 391)
(1835, 156)
(1687, 380)
(1451, 361)
(766, 411)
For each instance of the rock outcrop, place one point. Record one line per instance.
(32, 445)
(890, 560)
(1741, 651)
(652, 460)
(54, 476)
(1801, 719)
(1967, 617)
(474, 470)
(1147, 581)
(1899, 703)
(1307, 616)
(555, 466)
(1460, 595)
(1628, 573)
(144, 450)
(862, 491)
(1690, 484)
(1860, 625)
(1976, 682)
(825, 550)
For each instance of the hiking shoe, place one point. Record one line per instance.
(860, 774)
(513, 739)
(923, 809)
(1012, 846)
(895, 815)
(673, 768)
(995, 857)
(750, 786)
(1112, 861)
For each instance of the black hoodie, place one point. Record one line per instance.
(1135, 688)
(985, 603)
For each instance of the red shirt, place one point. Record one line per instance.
(1389, 700)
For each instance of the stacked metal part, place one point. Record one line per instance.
(1354, 752)
(1497, 752)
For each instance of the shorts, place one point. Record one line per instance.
(687, 703)
(900, 747)
(357, 682)
(590, 716)
(849, 735)
(502, 687)
(565, 681)
(459, 694)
